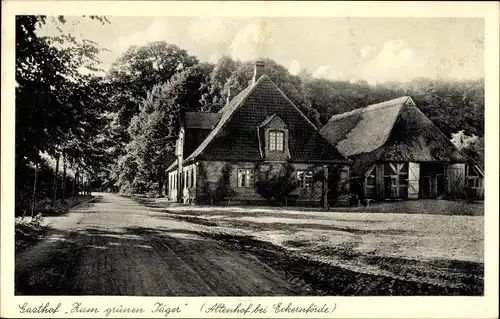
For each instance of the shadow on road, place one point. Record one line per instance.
(180, 262)
(141, 262)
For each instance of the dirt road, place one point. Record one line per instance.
(115, 246)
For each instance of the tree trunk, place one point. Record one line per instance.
(75, 185)
(33, 201)
(54, 188)
(84, 185)
(63, 186)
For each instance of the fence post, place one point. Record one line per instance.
(34, 191)
(63, 186)
(54, 188)
(325, 187)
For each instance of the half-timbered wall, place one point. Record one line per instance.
(396, 180)
(474, 182)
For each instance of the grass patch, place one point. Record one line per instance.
(28, 232)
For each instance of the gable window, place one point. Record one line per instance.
(245, 177)
(276, 139)
(305, 179)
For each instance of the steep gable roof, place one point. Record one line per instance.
(226, 112)
(201, 120)
(235, 135)
(394, 130)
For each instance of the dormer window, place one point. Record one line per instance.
(276, 140)
(273, 137)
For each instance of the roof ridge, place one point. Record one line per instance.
(387, 103)
(370, 107)
(345, 114)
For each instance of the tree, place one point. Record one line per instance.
(131, 77)
(47, 75)
(53, 103)
(135, 73)
(472, 145)
(216, 89)
(154, 129)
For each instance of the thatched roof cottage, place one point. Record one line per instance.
(399, 153)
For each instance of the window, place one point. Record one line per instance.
(473, 182)
(245, 177)
(305, 179)
(276, 140)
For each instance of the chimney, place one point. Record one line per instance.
(258, 70)
(230, 94)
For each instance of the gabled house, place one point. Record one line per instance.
(253, 137)
(399, 153)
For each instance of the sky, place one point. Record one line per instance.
(371, 49)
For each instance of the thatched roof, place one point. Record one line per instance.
(394, 130)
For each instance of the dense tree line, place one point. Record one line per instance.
(60, 110)
(120, 129)
(154, 119)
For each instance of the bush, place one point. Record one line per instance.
(223, 190)
(153, 194)
(215, 193)
(276, 188)
(348, 199)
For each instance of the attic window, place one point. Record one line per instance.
(276, 140)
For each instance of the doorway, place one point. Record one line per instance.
(432, 180)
